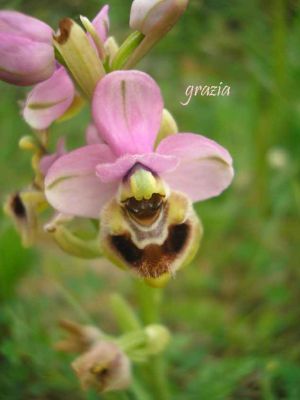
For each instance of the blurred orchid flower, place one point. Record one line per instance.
(26, 51)
(49, 100)
(102, 364)
(144, 196)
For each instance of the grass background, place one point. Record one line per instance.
(235, 312)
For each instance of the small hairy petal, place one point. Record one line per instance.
(109, 172)
(127, 110)
(71, 185)
(49, 100)
(205, 168)
(24, 62)
(26, 26)
(101, 23)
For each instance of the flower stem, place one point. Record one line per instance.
(126, 49)
(150, 300)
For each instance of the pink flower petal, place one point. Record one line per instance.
(49, 100)
(23, 61)
(92, 135)
(127, 110)
(205, 167)
(71, 185)
(26, 26)
(158, 163)
(101, 23)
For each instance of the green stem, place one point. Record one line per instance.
(139, 392)
(116, 396)
(126, 49)
(124, 314)
(150, 300)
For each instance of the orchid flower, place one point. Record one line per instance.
(143, 195)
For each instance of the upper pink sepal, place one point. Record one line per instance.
(26, 51)
(71, 185)
(101, 23)
(127, 110)
(49, 100)
(205, 168)
(116, 171)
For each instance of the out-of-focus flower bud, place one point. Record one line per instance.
(79, 55)
(81, 338)
(26, 50)
(49, 100)
(158, 338)
(154, 19)
(148, 16)
(278, 158)
(103, 368)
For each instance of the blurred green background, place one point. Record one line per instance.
(235, 312)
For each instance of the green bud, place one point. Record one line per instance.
(158, 338)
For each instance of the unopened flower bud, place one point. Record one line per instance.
(103, 368)
(153, 19)
(26, 51)
(148, 16)
(158, 338)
